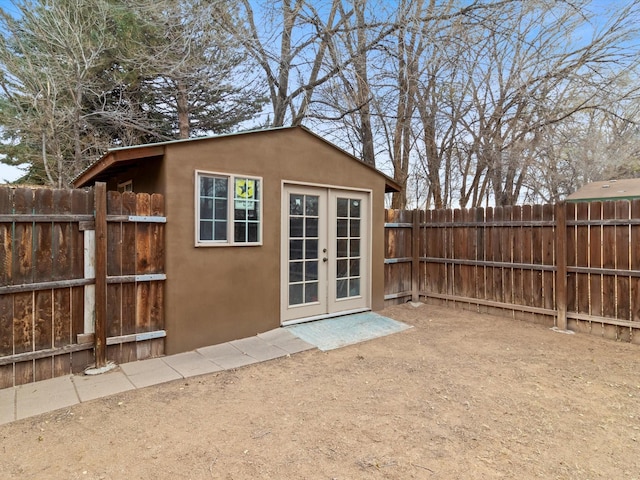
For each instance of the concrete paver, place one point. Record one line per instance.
(276, 336)
(90, 387)
(145, 373)
(190, 364)
(282, 338)
(257, 348)
(45, 396)
(7, 405)
(48, 395)
(292, 344)
(226, 355)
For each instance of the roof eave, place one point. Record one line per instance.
(113, 157)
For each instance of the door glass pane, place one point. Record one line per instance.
(354, 287)
(295, 271)
(354, 209)
(354, 267)
(342, 270)
(311, 292)
(312, 227)
(343, 230)
(311, 204)
(311, 271)
(296, 204)
(354, 228)
(348, 229)
(342, 288)
(295, 249)
(354, 248)
(303, 248)
(295, 227)
(342, 207)
(295, 294)
(311, 249)
(342, 251)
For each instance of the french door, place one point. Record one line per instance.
(325, 252)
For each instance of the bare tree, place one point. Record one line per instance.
(47, 60)
(529, 74)
(79, 76)
(290, 45)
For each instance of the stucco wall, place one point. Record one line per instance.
(216, 294)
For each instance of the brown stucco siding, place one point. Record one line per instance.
(216, 294)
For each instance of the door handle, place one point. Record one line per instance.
(325, 259)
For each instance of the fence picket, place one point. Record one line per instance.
(595, 259)
(635, 265)
(623, 287)
(577, 263)
(517, 246)
(609, 262)
(480, 252)
(535, 257)
(548, 253)
(42, 319)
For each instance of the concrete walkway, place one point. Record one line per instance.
(48, 395)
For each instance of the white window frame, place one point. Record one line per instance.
(231, 201)
(125, 186)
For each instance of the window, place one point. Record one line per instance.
(125, 186)
(228, 209)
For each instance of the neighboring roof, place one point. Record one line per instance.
(626, 189)
(119, 157)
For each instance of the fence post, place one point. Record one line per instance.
(101, 274)
(561, 265)
(415, 257)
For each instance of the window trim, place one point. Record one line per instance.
(126, 186)
(231, 179)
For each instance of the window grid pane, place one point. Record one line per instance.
(348, 247)
(246, 206)
(213, 208)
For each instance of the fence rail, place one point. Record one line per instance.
(573, 265)
(50, 283)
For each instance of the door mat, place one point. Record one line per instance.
(338, 332)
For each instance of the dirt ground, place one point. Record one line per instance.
(461, 395)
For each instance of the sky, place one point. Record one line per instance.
(8, 173)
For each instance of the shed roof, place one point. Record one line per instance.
(625, 189)
(117, 158)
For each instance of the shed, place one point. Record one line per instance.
(264, 228)
(625, 189)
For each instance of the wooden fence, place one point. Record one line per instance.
(573, 265)
(81, 280)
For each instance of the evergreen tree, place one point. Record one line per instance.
(80, 76)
